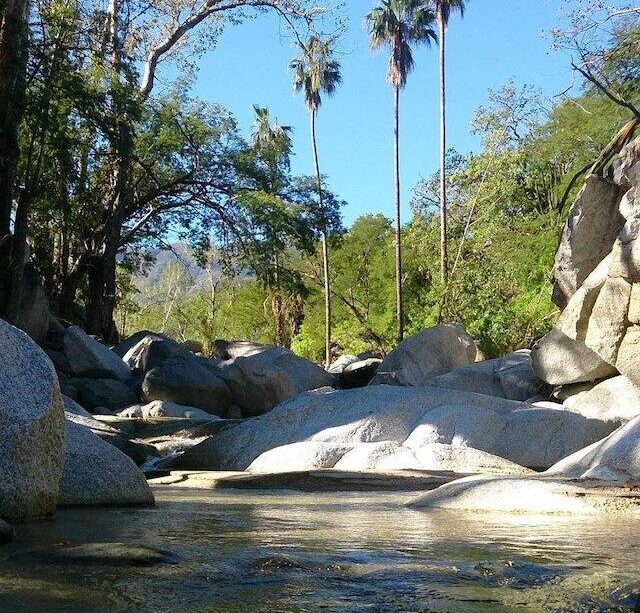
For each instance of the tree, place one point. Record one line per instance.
(315, 73)
(444, 8)
(398, 24)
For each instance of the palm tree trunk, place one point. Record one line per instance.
(444, 264)
(396, 160)
(325, 247)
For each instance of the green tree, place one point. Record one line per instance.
(315, 73)
(444, 8)
(399, 24)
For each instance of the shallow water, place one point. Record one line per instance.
(292, 552)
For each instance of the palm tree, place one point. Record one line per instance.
(398, 24)
(444, 8)
(316, 72)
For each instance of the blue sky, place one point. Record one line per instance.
(497, 41)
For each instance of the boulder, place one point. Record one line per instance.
(98, 474)
(192, 381)
(228, 350)
(521, 495)
(263, 377)
(306, 455)
(359, 374)
(510, 377)
(615, 459)
(409, 416)
(153, 351)
(108, 393)
(89, 358)
(588, 236)
(31, 428)
(128, 343)
(615, 399)
(162, 408)
(425, 355)
(341, 363)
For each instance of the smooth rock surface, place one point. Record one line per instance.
(425, 355)
(152, 351)
(108, 393)
(162, 408)
(262, 377)
(193, 382)
(125, 345)
(31, 428)
(98, 474)
(306, 455)
(410, 416)
(615, 399)
(89, 358)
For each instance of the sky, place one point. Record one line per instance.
(498, 41)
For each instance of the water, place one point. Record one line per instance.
(292, 552)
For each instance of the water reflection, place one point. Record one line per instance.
(269, 551)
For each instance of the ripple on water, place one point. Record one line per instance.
(277, 551)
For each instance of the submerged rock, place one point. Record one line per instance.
(88, 357)
(31, 428)
(410, 416)
(425, 355)
(162, 408)
(98, 474)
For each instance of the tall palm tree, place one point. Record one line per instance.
(444, 8)
(398, 24)
(316, 72)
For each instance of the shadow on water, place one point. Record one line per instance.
(228, 551)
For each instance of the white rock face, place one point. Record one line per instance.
(425, 355)
(162, 408)
(409, 416)
(307, 455)
(341, 363)
(262, 377)
(511, 495)
(98, 474)
(616, 459)
(153, 350)
(90, 358)
(31, 428)
(510, 377)
(615, 399)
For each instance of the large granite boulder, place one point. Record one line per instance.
(409, 416)
(152, 351)
(161, 408)
(615, 399)
(427, 354)
(615, 459)
(31, 428)
(88, 357)
(107, 393)
(124, 346)
(588, 236)
(98, 474)
(510, 377)
(188, 381)
(261, 377)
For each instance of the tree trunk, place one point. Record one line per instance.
(396, 160)
(444, 257)
(13, 57)
(325, 247)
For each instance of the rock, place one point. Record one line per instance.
(153, 351)
(98, 474)
(588, 236)
(162, 408)
(6, 533)
(410, 416)
(616, 399)
(306, 455)
(263, 377)
(90, 358)
(33, 305)
(628, 357)
(194, 346)
(193, 381)
(109, 393)
(510, 377)
(560, 360)
(59, 361)
(114, 555)
(71, 407)
(341, 363)
(128, 343)
(615, 459)
(31, 428)
(228, 350)
(522, 495)
(359, 374)
(425, 355)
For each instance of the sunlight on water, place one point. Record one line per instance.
(277, 551)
